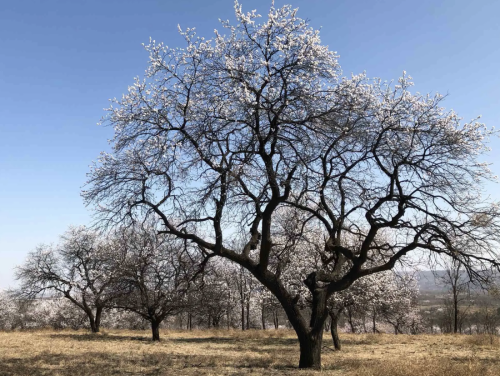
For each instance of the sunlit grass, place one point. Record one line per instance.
(241, 353)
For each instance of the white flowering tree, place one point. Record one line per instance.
(365, 295)
(400, 306)
(78, 269)
(154, 271)
(7, 310)
(224, 133)
(216, 298)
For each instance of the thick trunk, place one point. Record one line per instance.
(334, 319)
(98, 319)
(310, 335)
(310, 343)
(155, 330)
(94, 326)
(216, 322)
(310, 350)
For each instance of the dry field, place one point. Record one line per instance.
(241, 353)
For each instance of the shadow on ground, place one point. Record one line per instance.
(97, 363)
(100, 337)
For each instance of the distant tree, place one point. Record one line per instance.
(7, 311)
(359, 297)
(229, 134)
(400, 305)
(456, 280)
(214, 296)
(155, 271)
(78, 269)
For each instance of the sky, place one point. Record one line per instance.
(60, 62)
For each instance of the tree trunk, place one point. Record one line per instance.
(248, 314)
(310, 350)
(155, 329)
(455, 306)
(374, 322)
(310, 335)
(334, 319)
(94, 325)
(181, 321)
(351, 321)
(228, 314)
(276, 320)
(98, 315)
(263, 318)
(242, 315)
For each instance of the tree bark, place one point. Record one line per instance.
(351, 321)
(263, 313)
(248, 314)
(155, 330)
(94, 325)
(374, 322)
(242, 315)
(310, 350)
(334, 319)
(98, 315)
(455, 313)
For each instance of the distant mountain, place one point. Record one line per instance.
(427, 281)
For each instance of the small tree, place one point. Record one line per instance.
(231, 133)
(155, 271)
(365, 294)
(455, 279)
(400, 305)
(77, 269)
(7, 311)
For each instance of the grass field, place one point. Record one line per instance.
(241, 353)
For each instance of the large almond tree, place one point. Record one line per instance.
(225, 136)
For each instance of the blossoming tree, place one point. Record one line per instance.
(154, 272)
(222, 135)
(78, 269)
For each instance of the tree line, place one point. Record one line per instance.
(137, 271)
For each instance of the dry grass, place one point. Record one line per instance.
(241, 353)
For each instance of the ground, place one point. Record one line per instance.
(242, 353)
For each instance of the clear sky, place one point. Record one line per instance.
(60, 61)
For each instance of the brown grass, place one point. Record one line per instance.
(71, 353)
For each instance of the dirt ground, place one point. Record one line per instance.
(120, 352)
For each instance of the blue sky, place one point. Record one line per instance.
(60, 61)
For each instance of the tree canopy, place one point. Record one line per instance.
(254, 138)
